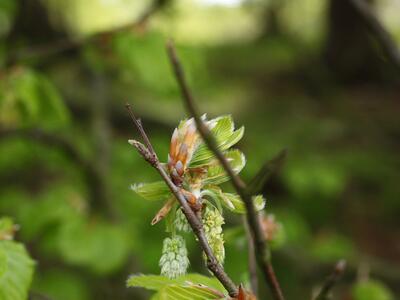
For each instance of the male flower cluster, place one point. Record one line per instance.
(174, 261)
(213, 221)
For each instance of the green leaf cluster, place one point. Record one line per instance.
(190, 286)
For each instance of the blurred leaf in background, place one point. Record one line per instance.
(371, 290)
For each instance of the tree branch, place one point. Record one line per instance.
(385, 40)
(195, 223)
(260, 244)
(270, 168)
(331, 280)
(251, 259)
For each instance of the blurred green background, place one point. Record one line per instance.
(303, 75)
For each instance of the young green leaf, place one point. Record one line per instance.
(216, 173)
(225, 135)
(150, 282)
(190, 286)
(156, 282)
(154, 191)
(232, 201)
(189, 291)
(16, 270)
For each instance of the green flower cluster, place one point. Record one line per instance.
(181, 223)
(174, 261)
(213, 221)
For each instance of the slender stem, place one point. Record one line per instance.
(195, 223)
(139, 126)
(252, 261)
(260, 244)
(331, 280)
(269, 169)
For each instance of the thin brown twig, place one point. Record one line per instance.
(252, 261)
(270, 168)
(260, 243)
(139, 126)
(150, 156)
(331, 280)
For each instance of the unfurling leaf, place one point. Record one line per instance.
(232, 201)
(216, 173)
(226, 136)
(155, 191)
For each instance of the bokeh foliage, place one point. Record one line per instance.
(336, 196)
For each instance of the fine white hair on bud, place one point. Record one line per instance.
(213, 221)
(174, 261)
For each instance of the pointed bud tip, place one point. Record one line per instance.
(175, 134)
(179, 166)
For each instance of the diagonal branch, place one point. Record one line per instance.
(195, 223)
(331, 280)
(374, 26)
(260, 244)
(269, 169)
(251, 259)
